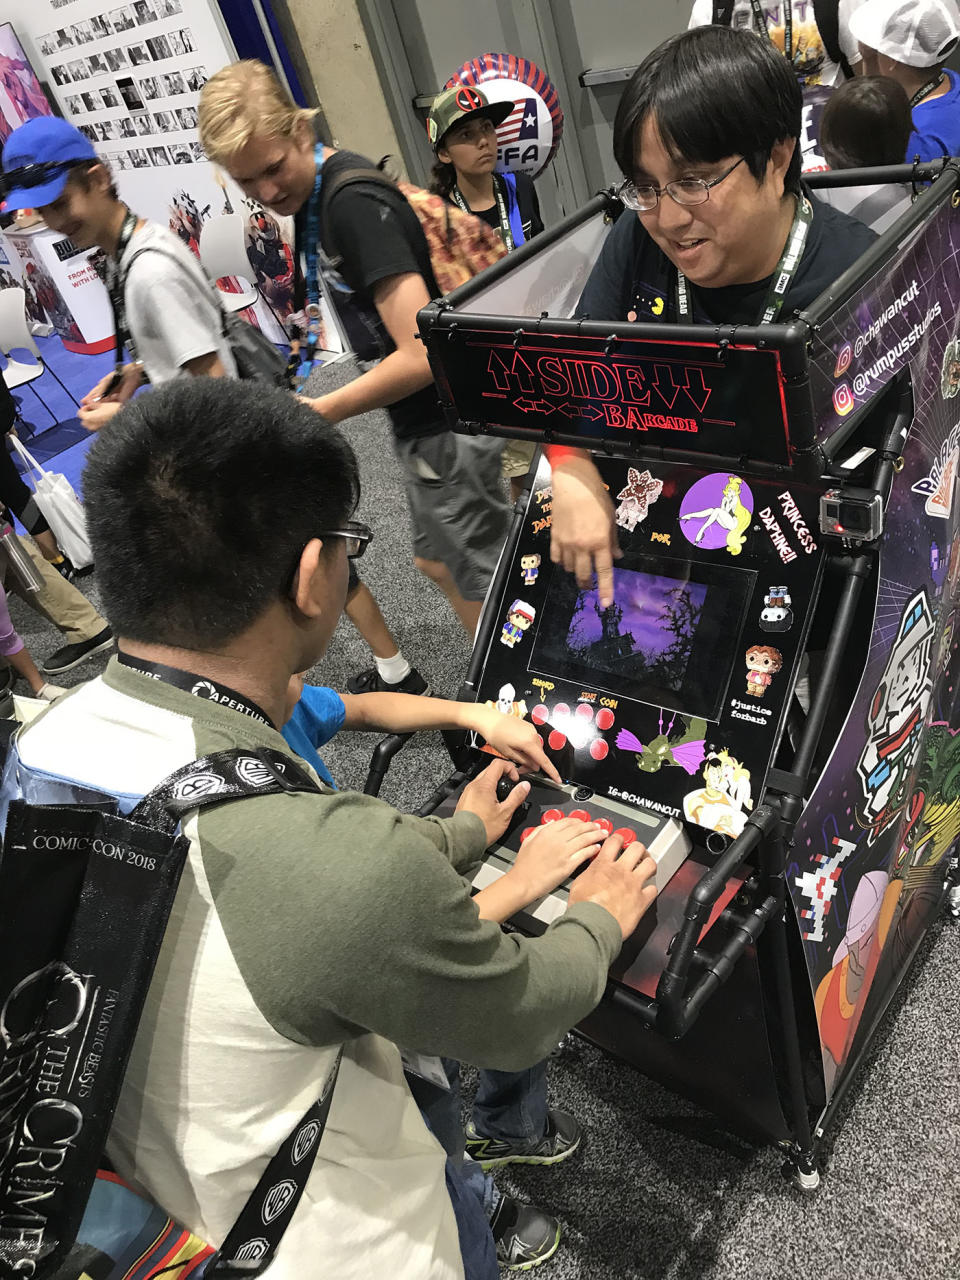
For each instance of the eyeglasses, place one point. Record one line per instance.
(35, 175)
(643, 197)
(356, 535)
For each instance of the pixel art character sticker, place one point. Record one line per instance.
(715, 512)
(520, 616)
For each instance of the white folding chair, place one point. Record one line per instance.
(16, 336)
(223, 252)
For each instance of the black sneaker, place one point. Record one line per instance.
(371, 681)
(558, 1143)
(71, 655)
(524, 1236)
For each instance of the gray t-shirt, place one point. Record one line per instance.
(172, 310)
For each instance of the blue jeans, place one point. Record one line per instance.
(510, 1105)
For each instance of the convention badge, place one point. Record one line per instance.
(427, 1066)
(636, 497)
(527, 140)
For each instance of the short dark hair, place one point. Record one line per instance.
(715, 92)
(200, 497)
(866, 122)
(79, 176)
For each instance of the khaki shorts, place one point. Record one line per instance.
(517, 457)
(457, 506)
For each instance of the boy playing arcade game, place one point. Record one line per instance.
(706, 135)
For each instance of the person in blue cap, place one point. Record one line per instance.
(165, 311)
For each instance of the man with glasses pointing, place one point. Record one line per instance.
(717, 231)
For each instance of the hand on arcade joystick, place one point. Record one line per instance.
(482, 797)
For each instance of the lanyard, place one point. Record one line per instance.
(311, 256)
(199, 686)
(760, 22)
(783, 274)
(115, 288)
(506, 235)
(927, 88)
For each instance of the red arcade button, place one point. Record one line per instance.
(584, 710)
(539, 714)
(605, 824)
(527, 831)
(605, 718)
(626, 835)
(557, 740)
(599, 749)
(581, 814)
(551, 815)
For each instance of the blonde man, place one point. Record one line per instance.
(250, 126)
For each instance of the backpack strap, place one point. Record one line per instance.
(827, 17)
(723, 12)
(375, 178)
(199, 279)
(218, 778)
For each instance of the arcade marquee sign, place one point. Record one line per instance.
(688, 396)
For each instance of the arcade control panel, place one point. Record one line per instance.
(673, 699)
(664, 837)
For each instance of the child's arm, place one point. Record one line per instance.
(543, 862)
(515, 739)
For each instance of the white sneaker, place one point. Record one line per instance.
(50, 692)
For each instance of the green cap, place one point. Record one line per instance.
(463, 100)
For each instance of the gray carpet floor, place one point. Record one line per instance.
(659, 1191)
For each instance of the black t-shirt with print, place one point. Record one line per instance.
(633, 275)
(373, 234)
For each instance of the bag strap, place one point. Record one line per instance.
(377, 178)
(218, 778)
(198, 279)
(826, 14)
(723, 12)
(255, 1236)
(211, 780)
(25, 454)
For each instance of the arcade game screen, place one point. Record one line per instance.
(669, 638)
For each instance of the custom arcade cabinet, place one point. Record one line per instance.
(768, 704)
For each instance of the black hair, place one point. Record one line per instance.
(79, 175)
(715, 92)
(200, 497)
(443, 178)
(866, 122)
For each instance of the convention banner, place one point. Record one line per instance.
(873, 844)
(677, 395)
